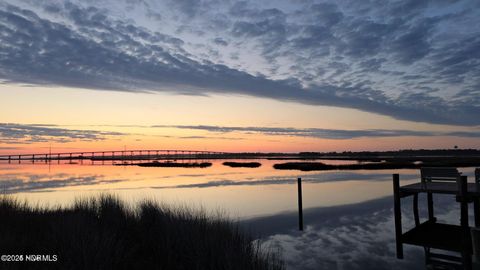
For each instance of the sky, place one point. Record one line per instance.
(278, 76)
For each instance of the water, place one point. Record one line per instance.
(348, 214)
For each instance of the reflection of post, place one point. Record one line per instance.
(475, 232)
(398, 215)
(300, 208)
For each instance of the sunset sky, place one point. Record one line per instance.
(224, 75)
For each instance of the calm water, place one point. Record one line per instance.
(348, 214)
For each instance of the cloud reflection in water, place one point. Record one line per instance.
(358, 236)
(25, 182)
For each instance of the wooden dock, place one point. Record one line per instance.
(431, 234)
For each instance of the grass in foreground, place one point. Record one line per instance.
(104, 233)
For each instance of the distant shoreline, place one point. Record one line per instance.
(141, 155)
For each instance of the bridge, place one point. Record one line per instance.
(123, 155)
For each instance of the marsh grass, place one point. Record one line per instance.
(242, 164)
(105, 233)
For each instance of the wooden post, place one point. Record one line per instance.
(476, 211)
(9, 159)
(476, 200)
(300, 207)
(398, 215)
(462, 198)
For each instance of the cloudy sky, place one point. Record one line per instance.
(284, 75)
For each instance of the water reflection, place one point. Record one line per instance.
(242, 192)
(28, 182)
(359, 236)
(347, 214)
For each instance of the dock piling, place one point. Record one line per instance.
(300, 207)
(398, 215)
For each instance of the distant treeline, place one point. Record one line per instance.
(358, 154)
(400, 153)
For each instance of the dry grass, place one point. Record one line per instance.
(104, 233)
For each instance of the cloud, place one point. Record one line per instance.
(195, 137)
(220, 41)
(336, 134)
(9, 148)
(24, 133)
(344, 54)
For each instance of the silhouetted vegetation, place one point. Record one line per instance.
(358, 155)
(242, 164)
(170, 164)
(105, 233)
(390, 164)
